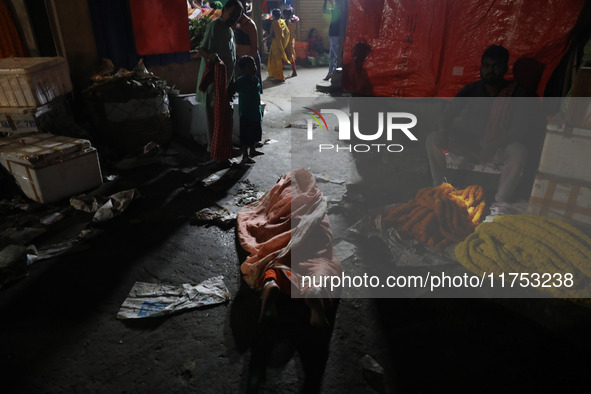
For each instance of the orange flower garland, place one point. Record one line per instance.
(438, 216)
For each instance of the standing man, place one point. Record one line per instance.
(218, 44)
(333, 35)
(483, 123)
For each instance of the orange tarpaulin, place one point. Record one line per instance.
(431, 48)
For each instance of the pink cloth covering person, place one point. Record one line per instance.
(287, 235)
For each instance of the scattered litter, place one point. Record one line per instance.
(152, 300)
(62, 248)
(344, 250)
(247, 194)
(334, 200)
(53, 218)
(188, 170)
(11, 254)
(116, 204)
(300, 126)
(406, 253)
(216, 176)
(13, 262)
(215, 215)
(501, 208)
(373, 373)
(327, 179)
(85, 203)
(111, 178)
(152, 149)
(267, 141)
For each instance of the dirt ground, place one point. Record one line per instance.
(59, 332)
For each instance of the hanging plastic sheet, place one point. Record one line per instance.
(426, 48)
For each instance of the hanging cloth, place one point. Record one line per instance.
(221, 143)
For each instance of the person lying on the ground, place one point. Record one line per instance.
(287, 235)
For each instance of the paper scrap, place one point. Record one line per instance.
(153, 300)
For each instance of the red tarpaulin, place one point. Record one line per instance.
(160, 26)
(426, 48)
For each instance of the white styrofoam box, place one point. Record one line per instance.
(16, 120)
(33, 81)
(189, 118)
(560, 198)
(567, 154)
(49, 168)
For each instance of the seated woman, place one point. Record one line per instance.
(288, 237)
(315, 46)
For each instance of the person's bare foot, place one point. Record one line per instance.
(268, 308)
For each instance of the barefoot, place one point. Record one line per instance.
(268, 309)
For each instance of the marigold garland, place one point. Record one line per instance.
(438, 216)
(530, 244)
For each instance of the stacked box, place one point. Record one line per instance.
(46, 118)
(49, 168)
(561, 198)
(33, 81)
(562, 187)
(567, 153)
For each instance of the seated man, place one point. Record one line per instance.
(482, 124)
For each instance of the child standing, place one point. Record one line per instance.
(249, 108)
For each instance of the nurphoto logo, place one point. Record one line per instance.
(392, 121)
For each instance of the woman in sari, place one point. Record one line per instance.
(280, 39)
(290, 21)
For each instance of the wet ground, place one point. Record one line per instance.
(59, 332)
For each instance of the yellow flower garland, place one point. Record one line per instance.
(529, 244)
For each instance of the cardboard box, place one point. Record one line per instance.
(33, 81)
(567, 153)
(561, 198)
(49, 168)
